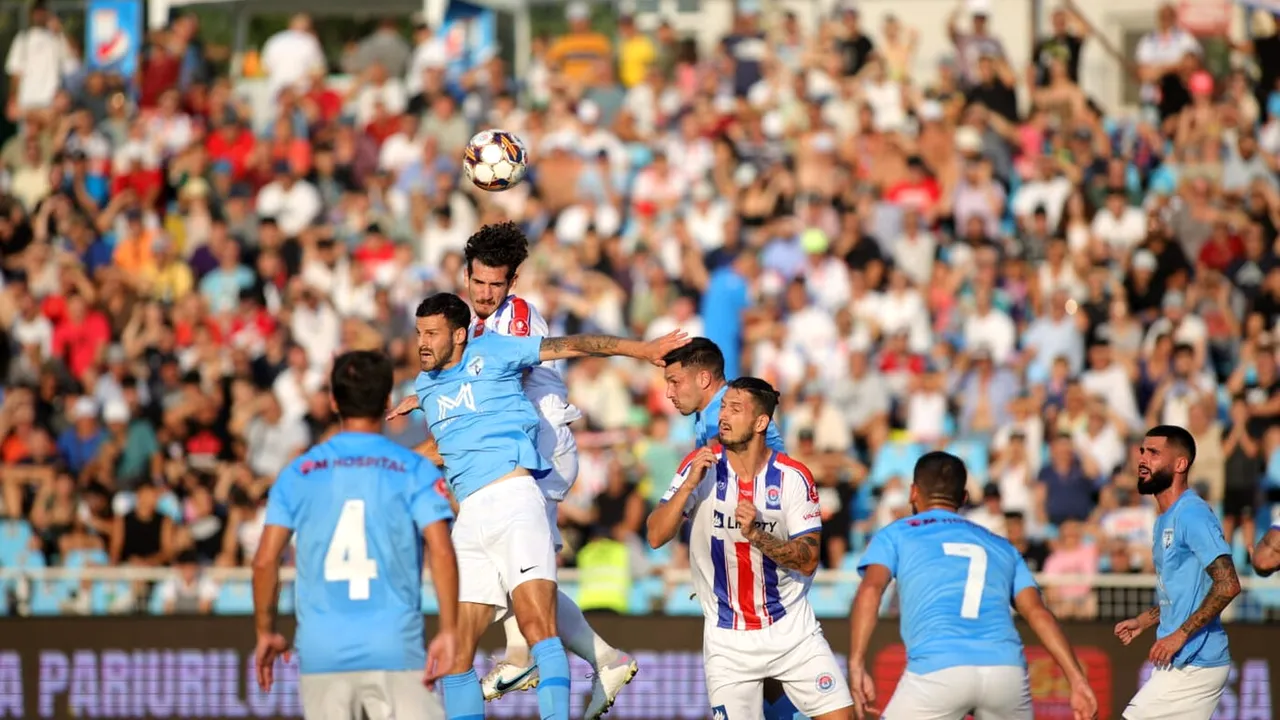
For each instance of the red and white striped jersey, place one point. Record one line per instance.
(739, 587)
(543, 384)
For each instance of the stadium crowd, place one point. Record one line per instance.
(981, 259)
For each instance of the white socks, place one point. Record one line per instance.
(574, 632)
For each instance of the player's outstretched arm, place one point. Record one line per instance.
(1266, 556)
(266, 598)
(444, 579)
(862, 619)
(578, 346)
(1031, 607)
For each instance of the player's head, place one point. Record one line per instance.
(939, 480)
(1165, 457)
(443, 320)
(746, 411)
(494, 255)
(360, 385)
(693, 373)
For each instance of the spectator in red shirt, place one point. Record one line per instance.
(80, 336)
(375, 252)
(231, 142)
(160, 71)
(919, 190)
(1222, 249)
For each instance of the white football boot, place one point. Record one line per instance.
(607, 683)
(508, 677)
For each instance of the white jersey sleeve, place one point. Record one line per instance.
(801, 512)
(681, 477)
(542, 384)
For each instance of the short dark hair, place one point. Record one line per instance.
(941, 477)
(361, 383)
(502, 245)
(700, 353)
(765, 397)
(1178, 438)
(453, 308)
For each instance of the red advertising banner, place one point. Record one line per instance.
(202, 668)
(1205, 18)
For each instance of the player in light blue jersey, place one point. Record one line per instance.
(696, 385)
(1195, 581)
(485, 430)
(361, 507)
(1266, 556)
(956, 581)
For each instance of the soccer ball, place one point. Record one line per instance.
(495, 160)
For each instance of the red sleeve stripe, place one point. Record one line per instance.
(798, 466)
(520, 317)
(686, 462)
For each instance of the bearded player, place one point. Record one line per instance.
(1196, 580)
(493, 258)
(753, 549)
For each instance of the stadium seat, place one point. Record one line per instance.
(975, 456)
(430, 603)
(288, 596)
(661, 557)
(831, 600)
(895, 459)
(14, 537)
(681, 601)
(155, 603)
(851, 560)
(109, 598)
(47, 597)
(643, 594)
(571, 589)
(83, 558)
(234, 598)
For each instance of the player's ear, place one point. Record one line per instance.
(1181, 464)
(762, 423)
(512, 282)
(333, 404)
(459, 336)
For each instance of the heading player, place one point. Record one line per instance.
(696, 385)
(1266, 556)
(956, 581)
(361, 506)
(1196, 580)
(494, 255)
(753, 550)
(485, 429)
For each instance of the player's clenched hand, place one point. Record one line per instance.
(270, 647)
(863, 689)
(1084, 705)
(1165, 648)
(1129, 629)
(441, 653)
(746, 514)
(656, 349)
(702, 461)
(405, 407)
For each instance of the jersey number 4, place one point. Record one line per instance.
(975, 580)
(347, 559)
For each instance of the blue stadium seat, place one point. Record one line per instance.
(105, 595)
(155, 603)
(47, 598)
(234, 598)
(83, 558)
(288, 596)
(680, 601)
(571, 589)
(643, 593)
(430, 603)
(975, 456)
(832, 600)
(851, 560)
(14, 537)
(660, 557)
(895, 459)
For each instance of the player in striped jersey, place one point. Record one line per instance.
(754, 550)
(493, 258)
(1266, 556)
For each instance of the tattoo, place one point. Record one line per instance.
(798, 554)
(1225, 587)
(599, 345)
(1150, 618)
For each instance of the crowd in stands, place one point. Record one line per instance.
(982, 259)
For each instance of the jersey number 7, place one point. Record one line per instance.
(975, 580)
(347, 559)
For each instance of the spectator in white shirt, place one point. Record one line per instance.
(273, 439)
(990, 327)
(915, 250)
(38, 59)
(1160, 51)
(402, 147)
(990, 513)
(189, 591)
(316, 327)
(292, 56)
(1113, 382)
(706, 217)
(1047, 189)
(683, 315)
(429, 53)
(1118, 225)
(1100, 438)
(292, 201)
(375, 90)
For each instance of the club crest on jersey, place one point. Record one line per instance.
(519, 327)
(1166, 538)
(476, 366)
(825, 683)
(773, 496)
(719, 713)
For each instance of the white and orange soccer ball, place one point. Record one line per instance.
(495, 160)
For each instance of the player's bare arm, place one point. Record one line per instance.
(1266, 556)
(431, 451)
(664, 522)
(579, 346)
(1030, 606)
(266, 598)
(443, 563)
(1129, 629)
(799, 554)
(1225, 587)
(862, 620)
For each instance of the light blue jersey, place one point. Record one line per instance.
(1188, 538)
(479, 414)
(956, 584)
(706, 424)
(358, 504)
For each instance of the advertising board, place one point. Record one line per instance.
(202, 668)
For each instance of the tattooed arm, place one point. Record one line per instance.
(1226, 585)
(799, 554)
(1266, 556)
(1150, 618)
(578, 346)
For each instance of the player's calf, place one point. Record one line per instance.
(463, 699)
(534, 604)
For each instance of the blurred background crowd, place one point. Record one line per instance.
(981, 258)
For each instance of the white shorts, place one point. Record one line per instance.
(557, 444)
(502, 540)
(380, 694)
(994, 692)
(1189, 693)
(792, 651)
